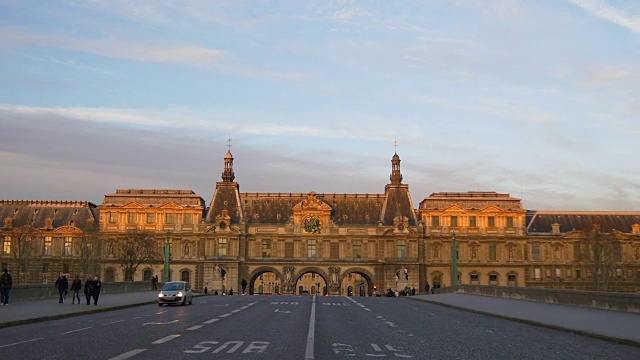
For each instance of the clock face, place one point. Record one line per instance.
(400, 227)
(223, 225)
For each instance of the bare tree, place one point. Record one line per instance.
(134, 249)
(601, 252)
(90, 246)
(25, 241)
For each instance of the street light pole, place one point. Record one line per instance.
(454, 261)
(167, 258)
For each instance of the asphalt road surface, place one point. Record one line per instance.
(298, 327)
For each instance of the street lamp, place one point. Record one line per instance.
(167, 257)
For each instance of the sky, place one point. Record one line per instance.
(538, 99)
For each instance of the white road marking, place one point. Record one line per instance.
(128, 354)
(244, 307)
(367, 309)
(312, 331)
(225, 315)
(114, 322)
(165, 339)
(286, 312)
(235, 311)
(196, 327)
(379, 317)
(159, 323)
(72, 331)
(21, 342)
(210, 321)
(391, 324)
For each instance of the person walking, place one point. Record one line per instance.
(96, 287)
(5, 287)
(76, 286)
(154, 282)
(63, 286)
(87, 290)
(426, 288)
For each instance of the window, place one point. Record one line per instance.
(492, 250)
(131, 218)
(568, 273)
(188, 219)
(146, 275)
(113, 218)
(512, 280)
(67, 245)
(472, 221)
(311, 248)
(402, 249)
(617, 252)
(222, 247)
(288, 250)
(537, 274)
(65, 268)
(619, 273)
(334, 250)
(47, 245)
(6, 245)
(357, 249)
(535, 250)
(185, 276)
(45, 267)
(169, 218)
(435, 221)
(577, 254)
(493, 279)
(491, 221)
(509, 221)
(151, 218)
(454, 221)
(474, 278)
(266, 248)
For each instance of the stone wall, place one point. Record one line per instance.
(44, 291)
(602, 300)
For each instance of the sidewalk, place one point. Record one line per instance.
(30, 311)
(618, 326)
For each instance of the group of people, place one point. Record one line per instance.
(92, 288)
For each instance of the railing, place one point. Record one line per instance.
(593, 299)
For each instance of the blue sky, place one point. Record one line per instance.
(539, 99)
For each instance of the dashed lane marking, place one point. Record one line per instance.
(210, 321)
(114, 322)
(161, 323)
(196, 327)
(21, 342)
(235, 311)
(128, 354)
(225, 315)
(72, 331)
(165, 339)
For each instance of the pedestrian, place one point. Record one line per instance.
(96, 287)
(88, 290)
(76, 286)
(63, 286)
(206, 290)
(244, 286)
(5, 287)
(426, 287)
(231, 291)
(154, 282)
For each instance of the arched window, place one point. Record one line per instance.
(512, 279)
(493, 278)
(474, 278)
(109, 275)
(185, 275)
(146, 275)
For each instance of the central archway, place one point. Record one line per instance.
(265, 280)
(357, 282)
(311, 281)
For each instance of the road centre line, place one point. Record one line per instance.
(225, 315)
(114, 322)
(72, 331)
(165, 339)
(21, 342)
(235, 311)
(128, 354)
(195, 327)
(210, 321)
(312, 331)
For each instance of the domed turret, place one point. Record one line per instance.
(396, 176)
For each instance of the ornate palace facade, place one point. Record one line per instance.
(320, 243)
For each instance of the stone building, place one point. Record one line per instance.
(311, 243)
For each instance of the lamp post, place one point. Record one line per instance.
(454, 260)
(167, 258)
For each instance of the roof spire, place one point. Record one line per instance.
(229, 146)
(395, 145)
(227, 174)
(396, 176)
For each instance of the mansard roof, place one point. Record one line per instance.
(540, 222)
(470, 200)
(24, 212)
(153, 197)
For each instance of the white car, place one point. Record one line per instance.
(175, 292)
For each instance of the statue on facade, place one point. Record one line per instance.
(218, 272)
(288, 282)
(334, 279)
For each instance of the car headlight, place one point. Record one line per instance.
(179, 294)
(161, 295)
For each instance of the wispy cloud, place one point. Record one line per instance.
(610, 13)
(141, 50)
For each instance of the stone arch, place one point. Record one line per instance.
(362, 272)
(311, 269)
(185, 275)
(259, 271)
(436, 279)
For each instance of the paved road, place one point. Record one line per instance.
(298, 327)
